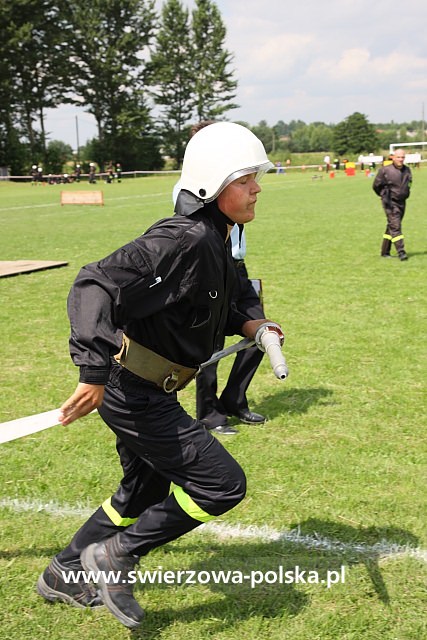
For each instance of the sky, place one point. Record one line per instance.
(311, 61)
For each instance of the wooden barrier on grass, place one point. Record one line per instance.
(82, 197)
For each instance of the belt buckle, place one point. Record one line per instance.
(170, 383)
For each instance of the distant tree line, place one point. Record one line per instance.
(145, 77)
(352, 136)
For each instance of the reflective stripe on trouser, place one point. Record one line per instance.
(397, 238)
(188, 505)
(115, 516)
(139, 488)
(159, 443)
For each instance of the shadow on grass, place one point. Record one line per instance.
(358, 545)
(292, 401)
(319, 548)
(226, 605)
(313, 545)
(413, 254)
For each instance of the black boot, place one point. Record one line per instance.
(52, 586)
(116, 587)
(385, 248)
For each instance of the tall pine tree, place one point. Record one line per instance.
(171, 73)
(214, 86)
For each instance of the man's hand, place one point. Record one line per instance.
(85, 399)
(250, 328)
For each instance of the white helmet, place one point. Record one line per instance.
(219, 154)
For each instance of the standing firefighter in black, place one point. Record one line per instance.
(392, 183)
(142, 320)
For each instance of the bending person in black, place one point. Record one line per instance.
(211, 410)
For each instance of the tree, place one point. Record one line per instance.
(32, 53)
(214, 86)
(170, 70)
(265, 134)
(57, 154)
(354, 135)
(107, 39)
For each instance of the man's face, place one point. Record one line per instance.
(399, 159)
(238, 199)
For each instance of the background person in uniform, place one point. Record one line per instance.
(166, 298)
(393, 183)
(34, 175)
(211, 410)
(92, 173)
(109, 173)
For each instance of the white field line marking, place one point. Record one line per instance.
(136, 196)
(382, 549)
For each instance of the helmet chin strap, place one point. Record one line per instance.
(220, 220)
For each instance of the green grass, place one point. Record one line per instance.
(342, 456)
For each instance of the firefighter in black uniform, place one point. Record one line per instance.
(142, 320)
(34, 175)
(392, 183)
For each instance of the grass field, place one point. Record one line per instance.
(336, 477)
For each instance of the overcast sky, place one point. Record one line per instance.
(313, 61)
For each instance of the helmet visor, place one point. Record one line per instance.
(259, 170)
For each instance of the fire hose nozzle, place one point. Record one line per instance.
(269, 338)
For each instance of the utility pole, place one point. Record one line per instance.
(77, 137)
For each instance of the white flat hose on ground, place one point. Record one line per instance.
(21, 427)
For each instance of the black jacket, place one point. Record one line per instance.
(393, 184)
(169, 290)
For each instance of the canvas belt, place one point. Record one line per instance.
(148, 365)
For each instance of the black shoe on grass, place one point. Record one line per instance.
(109, 559)
(52, 586)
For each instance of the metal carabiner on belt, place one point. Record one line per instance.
(170, 383)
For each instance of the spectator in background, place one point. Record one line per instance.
(110, 173)
(92, 174)
(34, 175)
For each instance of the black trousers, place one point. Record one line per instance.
(211, 409)
(394, 212)
(158, 444)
